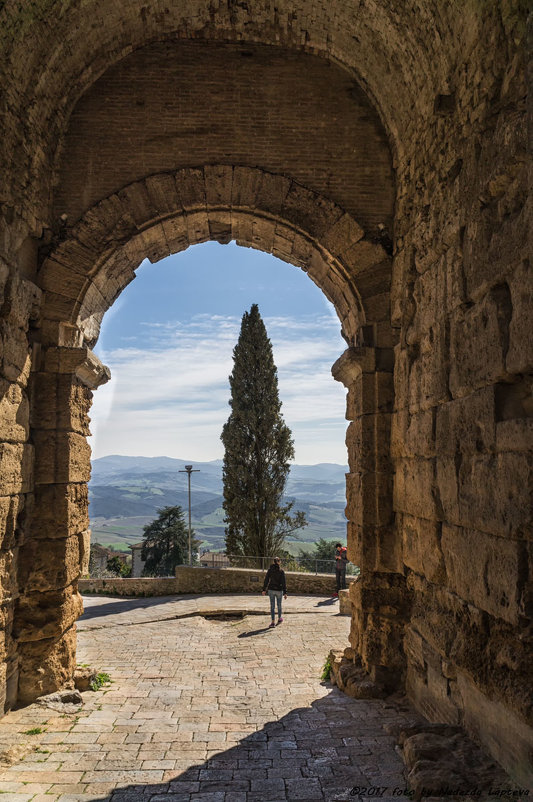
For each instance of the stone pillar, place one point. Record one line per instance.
(379, 599)
(52, 555)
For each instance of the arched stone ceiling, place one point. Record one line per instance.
(178, 104)
(402, 52)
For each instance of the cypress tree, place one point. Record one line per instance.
(258, 447)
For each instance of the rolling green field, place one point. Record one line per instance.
(120, 533)
(126, 492)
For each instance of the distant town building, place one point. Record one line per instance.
(98, 558)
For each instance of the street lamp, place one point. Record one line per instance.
(188, 470)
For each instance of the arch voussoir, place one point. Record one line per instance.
(167, 212)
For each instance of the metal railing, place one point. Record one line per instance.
(305, 565)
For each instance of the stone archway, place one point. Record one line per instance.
(444, 90)
(82, 277)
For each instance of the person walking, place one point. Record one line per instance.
(275, 585)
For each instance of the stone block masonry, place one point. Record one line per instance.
(210, 580)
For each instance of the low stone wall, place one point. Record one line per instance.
(209, 580)
(149, 586)
(247, 580)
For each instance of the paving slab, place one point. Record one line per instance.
(205, 710)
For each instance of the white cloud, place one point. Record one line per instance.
(171, 396)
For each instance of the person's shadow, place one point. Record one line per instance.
(327, 602)
(253, 632)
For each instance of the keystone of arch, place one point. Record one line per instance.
(165, 213)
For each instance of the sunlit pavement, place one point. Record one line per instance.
(206, 710)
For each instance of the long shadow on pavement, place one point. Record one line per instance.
(253, 632)
(328, 751)
(114, 607)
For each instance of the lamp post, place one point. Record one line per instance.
(188, 470)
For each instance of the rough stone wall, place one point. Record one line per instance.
(19, 304)
(463, 426)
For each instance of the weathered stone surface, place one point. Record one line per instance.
(368, 498)
(422, 547)
(367, 439)
(47, 565)
(46, 665)
(351, 678)
(467, 425)
(46, 614)
(428, 369)
(415, 488)
(11, 532)
(14, 412)
(374, 548)
(345, 604)
(380, 605)
(485, 718)
(210, 580)
(61, 402)
(413, 435)
(8, 574)
(16, 468)
(370, 393)
(441, 759)
(493, 653)
(479, 343)
(61, 510)
(488, 581)
(84, 677)
(67, 701)
(61, 457)
(504, 508)
(7, 647)
(519, 357)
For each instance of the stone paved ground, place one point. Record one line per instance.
(205, 710)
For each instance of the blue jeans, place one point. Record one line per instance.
(275, 596)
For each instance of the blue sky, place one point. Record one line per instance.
(169, 340)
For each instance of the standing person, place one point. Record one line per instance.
(275, 584)
(341, 561)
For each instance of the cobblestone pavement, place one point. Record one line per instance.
(206, 711)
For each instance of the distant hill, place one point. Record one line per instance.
(125, 493)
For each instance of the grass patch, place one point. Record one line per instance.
(34, 731)
(99, 681)
(326, 671)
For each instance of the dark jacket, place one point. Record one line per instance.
(275, 579)
(341, 560)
